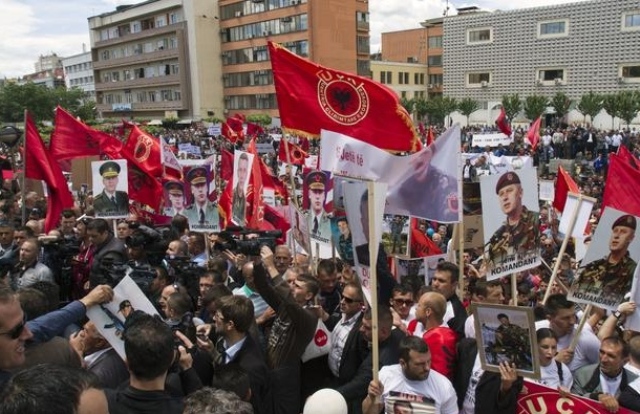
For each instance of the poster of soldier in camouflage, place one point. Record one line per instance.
(510, 222)
(395, 234)
(609, 269)
(507, 334)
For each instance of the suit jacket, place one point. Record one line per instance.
(586, 381)
(112, 248)
(211, 215)
(110, 369)
(459, 316)
(105, 207)
(251, 359)
(354, 352)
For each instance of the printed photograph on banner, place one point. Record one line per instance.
(202, 210)
(431, 263)
(583, 214)
(242, 162)
(299, 231)
(424, 241)
(411, 272)
(608, 271)
(507, 334)
(109, 318)
(342, 238)
(408, 403)
(395, 234)
(110, 185)
(472, 200)
(547, 190)
(174, 198)
(316, 189)
(512, 233)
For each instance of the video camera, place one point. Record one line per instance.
(115, 271)
(246, 241)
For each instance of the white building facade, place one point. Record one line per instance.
(78, 73)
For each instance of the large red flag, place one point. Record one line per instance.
(622, 188)
(534, 133)
(235, 124)
(625, 155)
(255, 192)
(421, 244)
(312, 97)
(40, 165)
(225, 203)
(269, 181)
(296, 154)
(73, 139)
(229, 133)
(273, 220)
(564, 185)
(226, 165)
(254, 129)
(503, 123)
(144, 150)
(143, 188)
(431, 138)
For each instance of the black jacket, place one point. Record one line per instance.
(459, 316)
(112, 249)
(251, 359)
(133, 401)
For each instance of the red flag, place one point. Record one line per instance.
(236, 125)
(254, 129)
(40, 165)
(564, 185)
(73, 139)
(229, 133)
(275, 220)
(225, 203)
(144, 150)
(312, 97)
(533, 135)
(226, 165)
(269, 181)
(626, 156)
(503, 123)
(304, 143)
(143, 188)
(622, 188)
(296, 154)
(254, 193)
(421, 244)
(431, 138)
(240, 117)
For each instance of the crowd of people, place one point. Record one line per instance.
(233, 325)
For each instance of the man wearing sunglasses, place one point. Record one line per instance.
(15, 331)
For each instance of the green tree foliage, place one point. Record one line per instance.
(439, 108)
(421, 107)
(611, 104)
(590, 104)
(628, 105)
(534, 106)
(561, 103)
(408, 104)
(467, 106)
(512, 105)
(262, 119)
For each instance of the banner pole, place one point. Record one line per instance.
(12, 153)
(460, 229)
(373, 286)
(583, 320)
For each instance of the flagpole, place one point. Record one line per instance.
(24, 172)
(373, 285)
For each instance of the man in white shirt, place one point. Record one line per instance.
(411, 383)
(483, 292)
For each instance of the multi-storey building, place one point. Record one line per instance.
(571, 48)
(78, 73)
(408, 80)
(48, 62)
(333, 33)
(157, 59)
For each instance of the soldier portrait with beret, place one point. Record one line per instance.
(174, 198)
(319, 222)
(202, 213)
(513, 246)
(606, 280)
(110, 202)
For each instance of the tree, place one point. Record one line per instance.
(439, 108)
(534, 106)
(590, 104)
(408, 104)
(467, 106)
(628, 105)
(512, 105)
(561, 103)
(39, 100)
(612, 106)
(262, 119)
(421, 107)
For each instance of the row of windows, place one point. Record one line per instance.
(260, 53)
(363, 45)
(259, 101)
(78, 67)
(435, 42)
(253, 78)
(386, 77)
(81, 81)
(266, 28)
(247, 7)
(435, 79)
(135, 49)
(435, 60)
(161, 95)
(150, 71)
(136, 26)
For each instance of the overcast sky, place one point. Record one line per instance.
(37, 27)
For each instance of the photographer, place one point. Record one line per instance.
(107, 248)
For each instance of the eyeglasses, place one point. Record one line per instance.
(408, 303)
(17, 331)
(349, 300)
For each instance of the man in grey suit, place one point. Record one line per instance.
(202, 214)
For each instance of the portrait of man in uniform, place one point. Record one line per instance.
(110, 202)
(174, 198)
(606, 280)
(239, 200)
(319, 222)
(518, 237)
(202, 212)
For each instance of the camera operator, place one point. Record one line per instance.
(29, 270)
(68, 225)
(107, 248)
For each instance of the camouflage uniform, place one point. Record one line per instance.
(520, 239)
(513, 342)
(607, 279)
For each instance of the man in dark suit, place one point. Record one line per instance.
(111, 202)
(233, 318)
(101, 359)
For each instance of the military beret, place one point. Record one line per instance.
(627, 221)
(507, 179)
(109, 169)
(174, 187)
(197, 175)
(316, 180)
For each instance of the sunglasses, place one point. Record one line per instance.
(17, 331)
(400, 302)
(349, 300)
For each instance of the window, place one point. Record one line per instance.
(383, 77)
(479, 36)
(631, 20)
(552, 76)
(478, 79)
(630, 73)
(435, 80)
(435, 41)
(434, 60)
(161, 21)
(403, 78)
(556, 28)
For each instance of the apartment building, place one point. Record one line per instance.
(78, 73)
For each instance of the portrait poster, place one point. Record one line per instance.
(317, 187)
(507, 334)
(110, 186)
(242, 167)
(608, 271)
(342, 238)
(109, 318)
(411, 272)
(431, 263)
(299, 231)
(201, 207)
(583, 214)
(365, 200)
(511, 231)
(547, 190)
(395, 234)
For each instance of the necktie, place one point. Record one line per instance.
(113, 199)
(221, 353)
(201, 216)
(315, 225)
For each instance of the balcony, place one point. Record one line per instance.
(144, 34)
(362, 26)
(146, 106)
(139, 83)
(137, 59)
